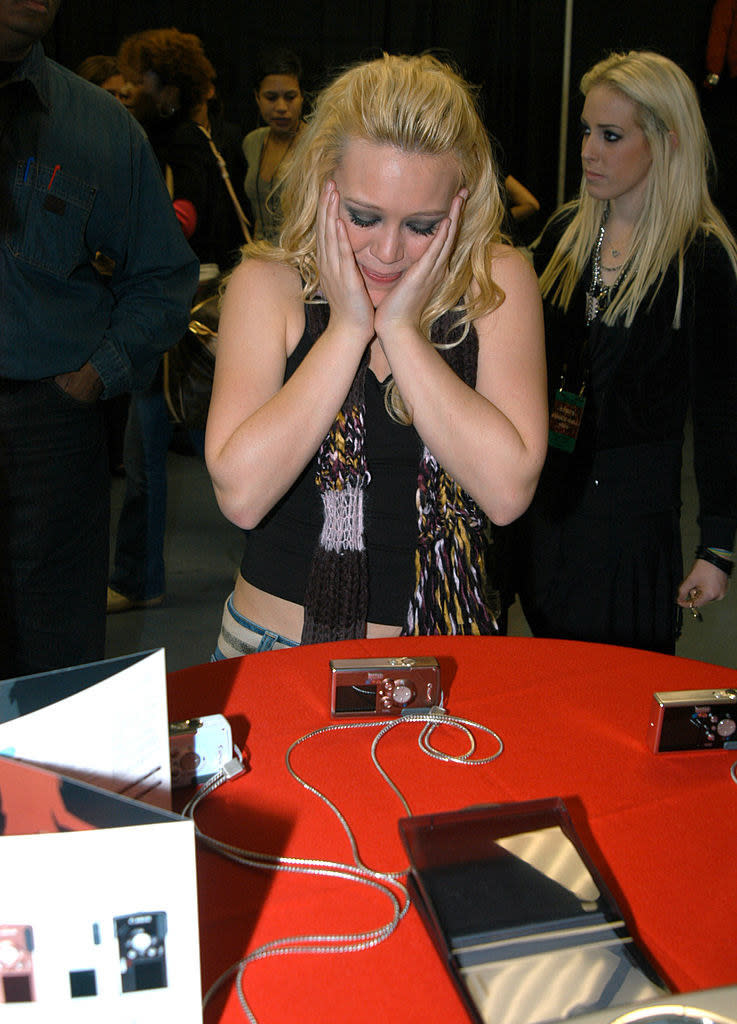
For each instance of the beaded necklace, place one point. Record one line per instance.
(599, 294)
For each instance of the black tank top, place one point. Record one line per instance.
(278, 552)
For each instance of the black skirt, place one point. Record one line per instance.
(599, 557)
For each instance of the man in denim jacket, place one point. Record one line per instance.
(95, 283)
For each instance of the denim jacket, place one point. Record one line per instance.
(93, 263)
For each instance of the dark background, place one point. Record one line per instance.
(513, 49)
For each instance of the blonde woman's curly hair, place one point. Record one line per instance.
(420, 105)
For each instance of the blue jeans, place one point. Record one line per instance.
(55, 516)
(239, 636)
(138, 570)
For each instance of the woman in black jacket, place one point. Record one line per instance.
(639, 282)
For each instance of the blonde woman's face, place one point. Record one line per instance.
(615, 154)
(391, 203)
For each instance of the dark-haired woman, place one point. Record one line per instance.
(280, 100)
(173, 92)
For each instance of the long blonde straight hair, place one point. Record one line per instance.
(676, 205)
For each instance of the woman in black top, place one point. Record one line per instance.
(639, 281)
(391, 319)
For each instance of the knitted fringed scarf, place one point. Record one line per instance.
(450, 559)
(336, 598)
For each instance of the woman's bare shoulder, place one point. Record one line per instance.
(264, 298)
(511, 265)
(266, 278)
(514, 275)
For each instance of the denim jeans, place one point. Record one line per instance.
(239, 636)
(55, 516)
(138, 569)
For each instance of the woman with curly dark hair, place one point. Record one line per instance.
(174, 84)
(173, 91)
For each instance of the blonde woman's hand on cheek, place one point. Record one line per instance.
(404, 305)
(341, 281)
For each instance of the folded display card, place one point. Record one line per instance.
(98, 916)
(100, 923)
(104, 723)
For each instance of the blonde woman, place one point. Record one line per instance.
(639, 282)
(380, 383)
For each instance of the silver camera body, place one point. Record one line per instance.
(199, 747)
(383, 686)
(693, 720)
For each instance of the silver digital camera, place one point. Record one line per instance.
(383, 686)
(199, 747)
(693, 720)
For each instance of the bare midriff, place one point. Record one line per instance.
(285, 617)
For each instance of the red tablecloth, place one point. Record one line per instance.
(573, 718)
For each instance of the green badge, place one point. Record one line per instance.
(565, 420)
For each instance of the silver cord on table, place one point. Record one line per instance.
(387, 883)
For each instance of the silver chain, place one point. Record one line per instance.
(597, 297)
(387, 883)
